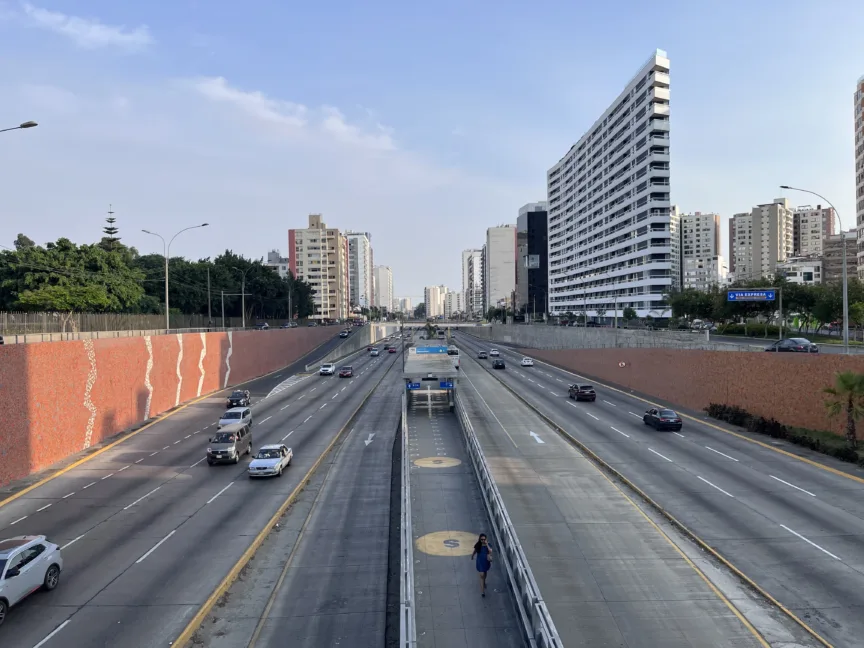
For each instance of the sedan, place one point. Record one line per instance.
(527, 362)
(374, 353)
(482, 355)
(270, 461)
(582, 393)
(346, 372)
(494, 353)
(793, 345)
(498, 364)
(662, 419)
(27, 564)
(392, 349)
(239, 398)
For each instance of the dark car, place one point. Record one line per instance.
(344, 334)
(392, 349)
(582, 393)
(482, 355)
(346, 372)
(662, 419)
(793, 345)
(498, 364)
(239, 398)
(262, 326)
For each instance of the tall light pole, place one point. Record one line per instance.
(25, 125)
(243, 291)
(845, 269)
(166, 249)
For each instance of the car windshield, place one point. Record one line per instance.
(2, 564)
(223, 437)
(668, 414)
(231, 415)
(270, 453)
(237, 394)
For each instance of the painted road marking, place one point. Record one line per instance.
(141, 498)
(447, 543)
(287, 435)
(89, 485)
(660, 455)
(634, 414)
(220, 492)
(197, 462)
(810, 542)
(313, 389)
(559, 380)
(51, 636)
(334, 395)
(300, 398)
(553, 393)
(187, 436)
(323, 406)
(721, 453)
(679, 434)
(344, 388)
(286, 407)
(69, 495)
(307, 418)
(71, 542)
(19, 520)
(608, 403)
(715, 486)
(536, 437)
(44, 507)
(123, 468)
(177, 441)
(140, 460)
(620, 432)
(155, 547)
(154, 453)
(793, 486)
(435, 462)
(166, 447)
(265, 420)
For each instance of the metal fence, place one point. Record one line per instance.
(407, 617)
(535, 617)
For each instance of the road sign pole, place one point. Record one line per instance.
(781, 314)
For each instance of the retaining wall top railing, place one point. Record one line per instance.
(536, 620)
(407, 626)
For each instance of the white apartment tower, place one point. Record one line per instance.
(453, 304)
(472, 281)
(383, 287)
(278, 263)
(811, 226)
(499, 276)
(433, 297)
(761, 239)
(319, 256)
(611, 244)
(359, 269)
(859, 172)
(702, 265)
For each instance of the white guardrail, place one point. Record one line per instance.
(535, 618)
(407, 627)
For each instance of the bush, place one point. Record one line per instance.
(753, 330)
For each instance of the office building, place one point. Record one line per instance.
(611, 244)
(453, 304)
(405, 305)
(484, 280)
(319, 256)
(383, 282)
(433, 297)
(801, 270)
(761, 239)
(359, 269)
(499, 281)
(702, 266)
(532, 256)
(859, 171)
(472, 281)
(278, 263)
(832, 256)
(810, 227)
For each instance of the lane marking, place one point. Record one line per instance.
(536, 437)
(300, 398)
(323, 406)
(90, 484)
(660, 455)
(71, 542)
(44, 507)
(287, 435)
(592, 416)
(480, 396)
(140, 460)
(307, 418)
(793, 486)
(721, 453)
(123, 468)
(634, 414)
(19, 520)
(177, 441)
(715, 486)
(313, 389)
(220, 492)
(610, 403)
(553, 393)
(265, 420)
(197, 462)
(679, 434)
(334, 396)
(51, 636)
(620, 432)
(141, 498)
(559, 380)
(154, 453)
(344, 388)
(286, 407)
(69, 495)
(187, 436)
(155, 547)
(166, 447)
(810, 542)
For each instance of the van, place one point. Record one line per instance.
(229, 443)
(236, 415)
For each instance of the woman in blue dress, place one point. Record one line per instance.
(484, 560)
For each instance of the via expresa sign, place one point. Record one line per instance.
(751, 295)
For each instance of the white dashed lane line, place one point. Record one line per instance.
(44, 507)
(140, 460)
(265, 420)
(153, 454)
(68, 495)
(286, 407)
(187, 436)
(89, 485)
(608, 403)
(53, 633)
(620, 432)
(307, 418)
(722, 454)
(71, 542)
(177, 441)
(106, 477)
(212, 499)
(125, 508)
(155, 547)
(715, 486)
(287, 435)
(810, 542)
(660, 455)
(198, 462)
(634, 414)
(21, 519)
(323, 406)
(793, 486)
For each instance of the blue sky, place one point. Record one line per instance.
(421, 124)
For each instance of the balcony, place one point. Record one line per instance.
(659, 109)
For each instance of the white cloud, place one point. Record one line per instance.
(88, 33)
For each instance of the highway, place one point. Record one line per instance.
(795, 529)
(148, 529)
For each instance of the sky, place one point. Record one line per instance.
(422, 124)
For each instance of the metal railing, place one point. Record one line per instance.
(407, 626)
(536, 620)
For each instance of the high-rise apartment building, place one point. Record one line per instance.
(859, 171)
(453, 304)
(532, 258)
(810, 227)
(832, 256)
(702, 266)
(499, 281)
(484, 281)
(761, 239)
(611, 244)
(433, 298)
(359, 269)
(278, 263)
(319, 256)
(405, 306)
(383, 281)
(472, 281)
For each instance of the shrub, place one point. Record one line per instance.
(753, 330)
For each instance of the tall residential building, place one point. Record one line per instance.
(761, 239)
(383, 287)
(405, 305)
(832, 256)
(472, 281)
(702, 266)
(810, 227)
(278, 263)
(433, 298)
(319, 256)
(859, 171)
(359, 269)
(532, 258)
(484, 281)
(611, 244)
(453, 304)
(499, 281)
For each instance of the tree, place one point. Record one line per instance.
(22, 242)
(420, 311)
(629, 314)
(110, 240)
(847, 397)
(600, 312)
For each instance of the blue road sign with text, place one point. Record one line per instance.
(413, 385)
(431, 349)
(751, 295)
(446, 385)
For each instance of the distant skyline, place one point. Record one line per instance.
(422, 125)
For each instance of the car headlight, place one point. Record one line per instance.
(209, 451)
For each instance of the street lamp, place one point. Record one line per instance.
(243, 291)
(27, 124)
(166, 249)
(845, 269)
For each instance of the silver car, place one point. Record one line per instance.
(236, 415)
(27, 563)
(270, 461)
(229, 443)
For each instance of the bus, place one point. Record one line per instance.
(441, 335)
(453, 352)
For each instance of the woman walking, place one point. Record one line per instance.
(484, 560)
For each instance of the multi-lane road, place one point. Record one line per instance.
(795, 528)
(148, 529)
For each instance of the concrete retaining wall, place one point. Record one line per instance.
(359, 340)
(59, 398)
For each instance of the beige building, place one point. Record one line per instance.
(319, 256)
(701, 263)
(433, 297)
(761, 239)
(832, 256)
(859, 171)
(811, 226)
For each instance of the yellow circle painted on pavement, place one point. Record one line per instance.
(436, 462)
(447, 543)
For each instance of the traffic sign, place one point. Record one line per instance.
(413, 385)
(431, 349)
(751, 295)
(446, 384)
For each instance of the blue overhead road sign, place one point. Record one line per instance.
(431, 349)
(445, 385)
(413, 385)
(751, 295)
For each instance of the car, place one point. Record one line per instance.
(239, 398)
(392, 349)
(793, 345)
(236, 415)
(370, 347)
(582, 393)
(270, 461)
(498, 364)
(262, 326)
(346, 372)
(374, 352)
(527, 362)
(482, 355)
(662, 419)
(312, 324)
(344, 334)
(494, 353)
(229, 444)
(327, 369)
(27, 563)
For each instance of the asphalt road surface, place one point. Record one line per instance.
(148, 529)
(794, 528)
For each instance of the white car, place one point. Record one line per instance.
(527, 362)
(328, 369)
(27, 563)
(270, 461)
(235, 415)
(494, 353)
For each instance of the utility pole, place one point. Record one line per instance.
(223, 309)
(209, 314)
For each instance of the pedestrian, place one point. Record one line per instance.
(484, 560)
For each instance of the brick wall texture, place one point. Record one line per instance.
(58, 398)
(787, 387)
